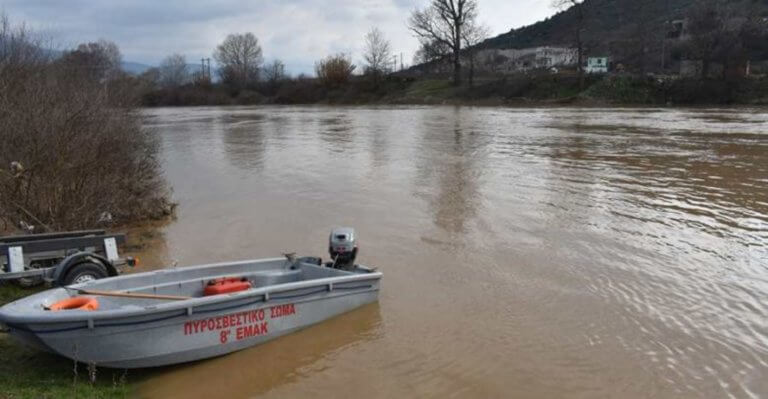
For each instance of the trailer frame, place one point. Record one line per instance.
(53, 258)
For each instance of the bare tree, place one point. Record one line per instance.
(443, 21)
(578, 31)
(239, 57)
(334, 70)
(274, 72)
(472, 36)
(174, 71)
(377, 53)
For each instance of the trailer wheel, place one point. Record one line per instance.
(85, 272)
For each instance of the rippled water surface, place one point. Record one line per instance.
(526, 252)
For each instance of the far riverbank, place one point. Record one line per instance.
(520, 90)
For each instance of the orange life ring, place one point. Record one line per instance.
(85, 303)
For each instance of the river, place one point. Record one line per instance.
(555, 252)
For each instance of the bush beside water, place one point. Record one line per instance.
(73, 154)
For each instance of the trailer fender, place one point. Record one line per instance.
(81, 257)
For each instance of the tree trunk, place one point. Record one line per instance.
(471, 68)
(456, 69)
(457, 54)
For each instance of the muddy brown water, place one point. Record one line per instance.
(580, 253)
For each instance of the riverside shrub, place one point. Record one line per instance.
(73, 152)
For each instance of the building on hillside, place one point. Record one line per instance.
(597, 65)
(521, 60)
(507, 61)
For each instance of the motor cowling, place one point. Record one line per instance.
(342, 246)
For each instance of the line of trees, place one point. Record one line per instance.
(241, 71)
(241, 65)
(244, 77)
(445, 28)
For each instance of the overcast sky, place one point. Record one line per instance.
(295, 31)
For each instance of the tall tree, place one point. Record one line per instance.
(377, 53)
(578, 31)
(239, 57)
(174, 71)
(443, 21)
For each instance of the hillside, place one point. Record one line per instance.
(605, 20)
(630, 31)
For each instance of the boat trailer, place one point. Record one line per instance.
(59, 259)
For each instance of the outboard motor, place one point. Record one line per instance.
(342, 246)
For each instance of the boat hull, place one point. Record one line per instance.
(207, 330)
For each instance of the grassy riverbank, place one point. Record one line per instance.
(534, 89)
(30, 373)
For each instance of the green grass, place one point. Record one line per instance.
(430, 88)
(30, 373)
(10, 292)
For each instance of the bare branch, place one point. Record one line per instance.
(377, 53)
(442, 22)
(174, 71)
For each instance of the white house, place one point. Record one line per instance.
(597, 64)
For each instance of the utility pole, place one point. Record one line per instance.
(205, 70)
(401, 61)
